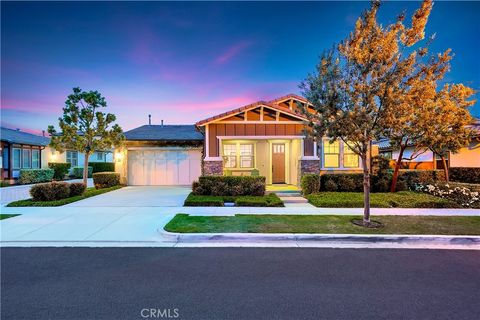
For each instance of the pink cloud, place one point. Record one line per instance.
(232, 52)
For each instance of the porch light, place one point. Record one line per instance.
(118, 156)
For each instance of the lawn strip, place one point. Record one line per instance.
(6, 216)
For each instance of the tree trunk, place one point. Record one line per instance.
(85, 168)
(366, 187)
(396, 171)
(445, 169)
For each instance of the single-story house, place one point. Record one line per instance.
(425, 159)
(23, 150)
(266, 138)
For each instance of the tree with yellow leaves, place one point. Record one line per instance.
(368, 87)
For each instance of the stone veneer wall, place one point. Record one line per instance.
(213, 168)
(308, 166)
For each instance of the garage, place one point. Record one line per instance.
(161, 155)
(163, 167)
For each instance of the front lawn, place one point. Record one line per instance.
(402, 199)
(185, 223)
(269, 200)
(89, 192)
(6, 216)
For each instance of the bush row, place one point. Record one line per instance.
(106, 179)
(60, 169)
(229, 186)
(77, 172)
(28, 176)
(467, 175)
(56, 190)
(102, 166)
(353, 182)
(270, 200)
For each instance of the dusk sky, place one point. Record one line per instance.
(183, 62)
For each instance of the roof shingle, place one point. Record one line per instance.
(20, 137)
(165, 133)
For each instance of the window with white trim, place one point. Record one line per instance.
(331, 154)
(350, 158)
(72, 158)
(35, 159)
(100, 156)
(26, 158)
(246, 156)
(230, 155)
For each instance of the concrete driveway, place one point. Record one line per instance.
(153, 196)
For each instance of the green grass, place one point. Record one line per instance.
(184, 223)
(6, 216)
(89, 192)
(269, 200)
(402, 199)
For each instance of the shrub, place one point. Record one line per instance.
(270, 200)
(380, 184)
(412, 178)
(77, 188)
(330, 185)
(467, 175)
(310, 183)
(77, 172)
(60, 169)
(343, 181)
(35, 175)
(229, 186)
(106, 179)
(401, 186)
(102, 166)
(203, 201)
(461, 195)
(50, 191)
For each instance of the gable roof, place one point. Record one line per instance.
(288, 97)
(165, 133)
(20, 137)
(248, 107)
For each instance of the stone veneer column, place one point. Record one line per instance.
(213, 168)
(308, 166)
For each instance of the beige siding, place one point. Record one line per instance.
(467, 157)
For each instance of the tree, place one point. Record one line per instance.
(358, 83)
(449, 130)
(84, 127)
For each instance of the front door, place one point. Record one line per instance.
(278, 163)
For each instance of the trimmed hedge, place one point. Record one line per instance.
(106, 179)
(310, 183)
(411, 178)
(77, 188)
(343, 182)
(229, 186)
(102, 166)
(50, 191)
(203, 201)
(270, 200)
(60, 169)
(466, 175)
(77, 172)
(28, 176)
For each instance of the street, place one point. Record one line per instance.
(238, 283)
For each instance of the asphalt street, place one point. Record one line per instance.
(238, 283)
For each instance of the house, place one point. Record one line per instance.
(424, 159)
(22, 150)
(266, 138)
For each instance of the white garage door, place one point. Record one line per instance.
(163, 167)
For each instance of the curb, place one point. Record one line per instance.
(321, 237)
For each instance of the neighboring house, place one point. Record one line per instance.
(425, 159)
(161, 155)
(265, 138)
(22, 150)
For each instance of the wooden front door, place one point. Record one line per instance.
(278, 163)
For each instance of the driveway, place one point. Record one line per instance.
(154, 196)
(9, 194)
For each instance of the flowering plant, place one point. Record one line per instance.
(461, 195)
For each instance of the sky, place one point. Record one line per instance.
(183, 62)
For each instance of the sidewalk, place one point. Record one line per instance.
(140, 226)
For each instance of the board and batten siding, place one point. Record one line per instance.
(261, 130)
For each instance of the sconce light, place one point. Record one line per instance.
(118, 156)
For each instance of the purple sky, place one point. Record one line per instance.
(183, 62)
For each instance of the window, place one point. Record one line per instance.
(72, 158)
(386, 154)
(26, 158)
(100, 156)
(350, 159)
(35, 159)
(230, 155)
(16, 158)
(246, 156)
(331, 153)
